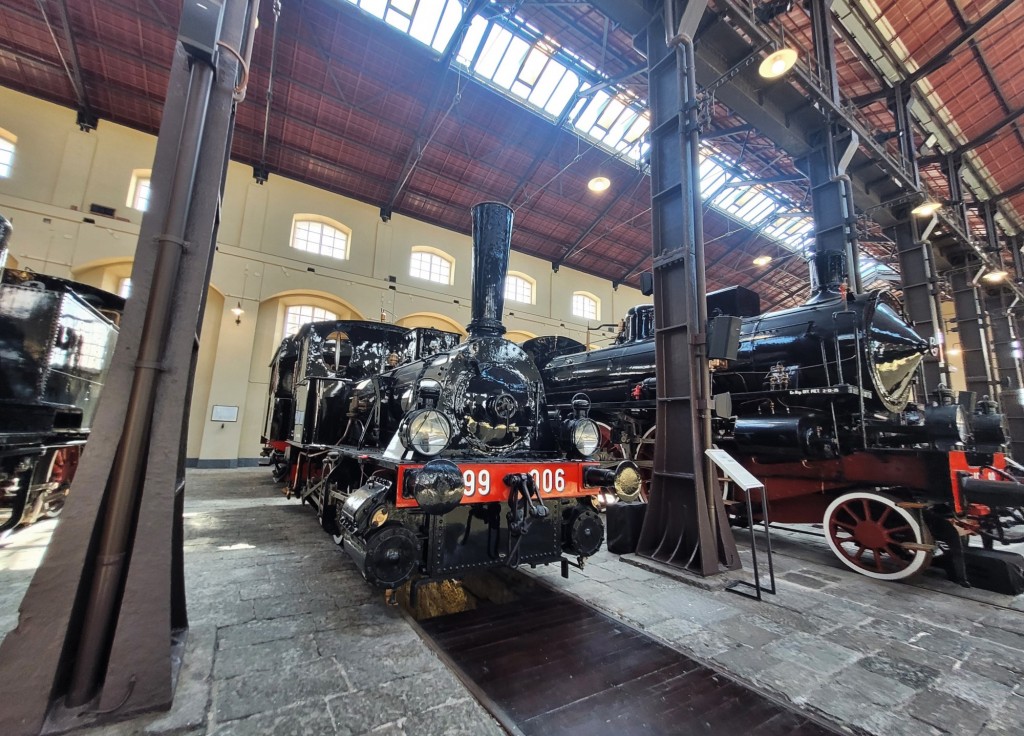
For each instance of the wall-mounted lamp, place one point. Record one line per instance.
(996, 276)
(238, 312)
(927, 208)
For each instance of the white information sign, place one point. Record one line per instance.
(731, 467)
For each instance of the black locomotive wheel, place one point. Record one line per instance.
(392, 556)
(871, 534)
(326, 512)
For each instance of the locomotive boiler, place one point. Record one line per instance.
(817, 403)
(56, 341)
(444, 459)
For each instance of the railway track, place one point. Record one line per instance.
(545, 663)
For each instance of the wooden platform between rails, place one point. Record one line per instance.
(547, 664)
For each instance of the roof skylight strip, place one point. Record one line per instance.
(520, 61)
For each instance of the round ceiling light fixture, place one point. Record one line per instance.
(762, 260)
(995, 277)
(599, 183)
(927, 208)
(777, 63)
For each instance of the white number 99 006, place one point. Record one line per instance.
(477, 482)
(549, 480)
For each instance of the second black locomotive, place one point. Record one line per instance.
(816, 401)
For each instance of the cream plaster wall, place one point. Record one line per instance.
(59, 171)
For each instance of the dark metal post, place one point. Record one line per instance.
(971, 327)
(824, 47)
(123, 490)
(921, 298)
(103, 620)
(999, 304)
(1007, 351)
(685, 524)
(831, 191)
(905, 128)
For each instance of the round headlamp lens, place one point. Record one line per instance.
(586, 436)
(427, 432)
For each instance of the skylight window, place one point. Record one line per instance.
(510, 54)
(431, 22)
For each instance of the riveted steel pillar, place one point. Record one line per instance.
(831, 191)
(685, 524)
(1006, 348)
(972, 326)
(921, 298)
(103, 622)
(999, 305)
(905, 128)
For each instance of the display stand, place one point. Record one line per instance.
(746, 482)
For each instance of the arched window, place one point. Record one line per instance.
(7, 143)
(586, 305)
(139, 190)
(519, 287)
(301, 314)
(431, 264)
(320, 235)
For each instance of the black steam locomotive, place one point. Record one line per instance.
(429, 459)
(816, 402)
(56, 341)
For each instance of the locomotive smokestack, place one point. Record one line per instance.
(492, 241)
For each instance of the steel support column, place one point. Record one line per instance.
(825, 47)
(1007, 352)
(833, 148)
(921, 298)
(685, 525)
(972, 327)
(103, 622)
(999, 304)
(902, 98)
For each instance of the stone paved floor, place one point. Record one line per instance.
(880, 658)
(286, 638)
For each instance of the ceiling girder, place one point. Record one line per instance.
(87, 119)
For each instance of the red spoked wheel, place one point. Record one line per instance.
(871, 534)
